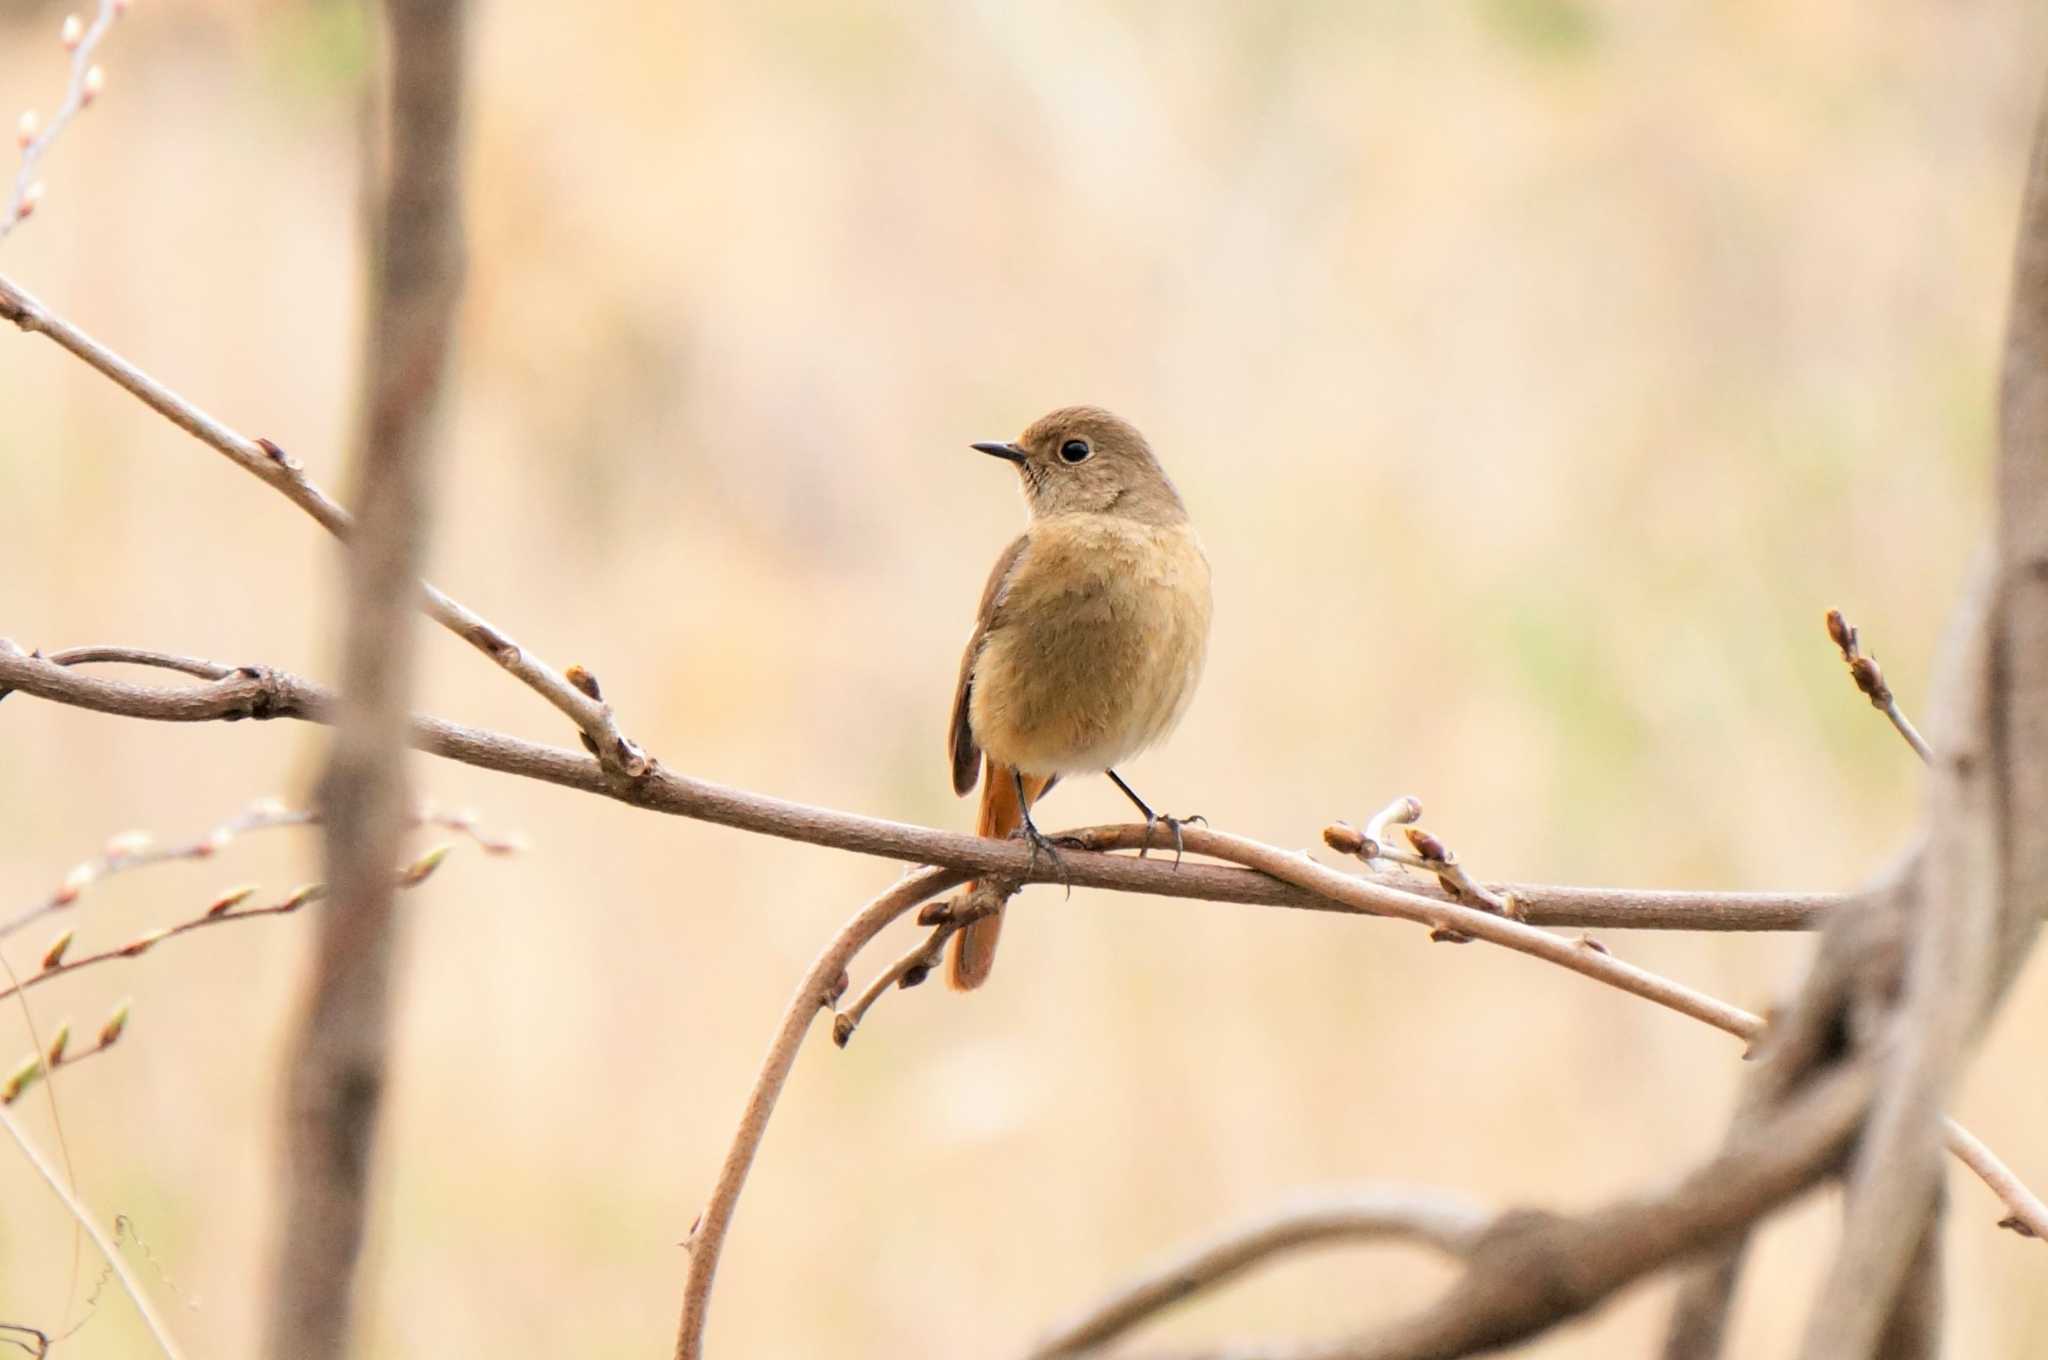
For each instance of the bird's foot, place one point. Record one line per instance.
(1173, 824)
(1042, 844)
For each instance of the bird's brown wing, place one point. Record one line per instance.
(960, 733)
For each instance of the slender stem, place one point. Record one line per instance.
(77, 94)
(816, 992)
(1448, 1225)
(129, 1286)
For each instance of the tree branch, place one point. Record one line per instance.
(277, 469)
(1530, 1270)
(821, 987)
(1438, 1221)
(335, 1075)
(257, 692)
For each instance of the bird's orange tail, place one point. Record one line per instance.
(974, 948)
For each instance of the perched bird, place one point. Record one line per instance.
(1090, 636)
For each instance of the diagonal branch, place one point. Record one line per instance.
(273, 466)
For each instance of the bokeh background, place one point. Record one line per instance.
(1536, 370)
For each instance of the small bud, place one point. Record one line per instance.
(1588, 942)
(73, 32)
(74, 883)
(54, 955)
(935, 913)
(1840, 633)
(126, 844)
(2014, 1223)
(838, 988)
(21, 1078)
(25, 128)
(914, 975)
(59, 1042)
(95, 81)
(229, 900)
(269, 808)
(1428, 846)
(1446, 935)
(1344, 838)
(421, 869)
(116, 1023)
(1870, 680)
(585, 681)
(842, 1032)
(141, 943)
(301, 895)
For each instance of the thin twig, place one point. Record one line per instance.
(223, 910)
(83, 88)
(160, 1333)
(256, 692)
(818, 991)
(273, 466)
(945, 919)
(132, 850)
(908, 971)
(1869, 678)
(1432, 1219)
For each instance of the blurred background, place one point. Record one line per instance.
(1537, 372)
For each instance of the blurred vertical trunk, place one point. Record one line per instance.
(336, 1077)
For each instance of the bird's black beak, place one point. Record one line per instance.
(1009, 451)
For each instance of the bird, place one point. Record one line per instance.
(1090, 637)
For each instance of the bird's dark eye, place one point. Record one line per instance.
(1075, 451)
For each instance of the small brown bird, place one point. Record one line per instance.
(1090, 636)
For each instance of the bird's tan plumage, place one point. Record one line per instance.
(1091, 632)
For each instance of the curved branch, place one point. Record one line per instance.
(1446, 1224)
(819, 989)
(259, 692)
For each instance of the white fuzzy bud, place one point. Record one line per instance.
(74, 32)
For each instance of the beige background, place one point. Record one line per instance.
(1536, 371)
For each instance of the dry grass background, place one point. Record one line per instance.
(1537, 372)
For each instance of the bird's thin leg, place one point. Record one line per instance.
(1037, 839)
(1173, 824)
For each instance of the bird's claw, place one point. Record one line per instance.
(1173, 824)
(1041, 843)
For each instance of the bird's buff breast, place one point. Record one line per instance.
(1097, 645)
